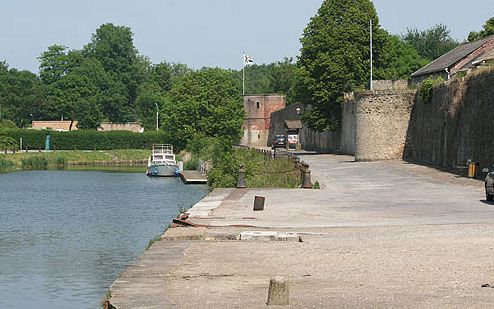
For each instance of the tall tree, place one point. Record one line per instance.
(53, 64)
(205, 102)
(21, 96)
(79, 94)
(113, 47)
(335, 58)
(431, 43)
(488, 30)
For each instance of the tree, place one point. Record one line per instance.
(335, 58)
(21, 96)
(53, 64)
(80, 94)
(205, 102)
(431, 43)
(150, 96)
(161, 74)
(277, 77)
(488, 30)
(113, 47)
(399, 60)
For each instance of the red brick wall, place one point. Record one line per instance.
(258, 110)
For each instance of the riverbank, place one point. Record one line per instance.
(364, 240)
(60, 158)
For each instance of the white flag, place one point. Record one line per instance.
(248, 60)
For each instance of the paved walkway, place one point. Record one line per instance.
(378, 235)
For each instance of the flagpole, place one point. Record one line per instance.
(371, 85)
(243, 76)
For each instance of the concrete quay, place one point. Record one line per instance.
(376, 235)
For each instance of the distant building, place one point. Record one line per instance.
(67, 125)
(258, 110)
(129, 126)
(462, 58)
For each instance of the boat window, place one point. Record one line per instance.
(169, 157)
(158, 157)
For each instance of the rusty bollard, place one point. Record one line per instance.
(241, 178)
(306, 182)
(278, 293)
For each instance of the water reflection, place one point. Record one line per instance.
(65, 235)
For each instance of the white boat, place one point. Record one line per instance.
(162, 162)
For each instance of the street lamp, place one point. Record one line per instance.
(157, 117)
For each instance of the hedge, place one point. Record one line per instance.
(85, 139)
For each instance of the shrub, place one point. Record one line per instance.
(192, 164)
(86, 139)
(8, 143)
(60, 162)
(38, 162)
(427, 86)
(6, 165)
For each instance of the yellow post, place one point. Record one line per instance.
(472, 169)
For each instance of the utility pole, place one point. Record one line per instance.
(371, 86)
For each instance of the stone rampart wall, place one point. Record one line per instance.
(457, 124)
(381, 124)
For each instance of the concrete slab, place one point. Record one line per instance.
(269, 236)
(143, 284)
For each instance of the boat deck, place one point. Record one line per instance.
(193, 177)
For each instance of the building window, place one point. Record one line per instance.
(257, 104)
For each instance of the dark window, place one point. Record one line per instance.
(257, 104)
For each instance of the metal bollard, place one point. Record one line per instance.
(241, 178)
(259, 203)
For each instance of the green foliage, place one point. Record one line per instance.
(6, 165)
(205, 102)
(36, 162)
(53, 64)
(150, 99)
(431, 43)
(8, 143)
(278, 77)
(114, 48)
(60, 161)
(427, 86)
(7, 124)
(335, 58)
(399, 59)
(192, 164)
(87, 140)
(488, 30)
(261, 172)
(21, 96)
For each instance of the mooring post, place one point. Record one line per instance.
(241, 178)
(259, 203)
(278, 293)
(306, 183)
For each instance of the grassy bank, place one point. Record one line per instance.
(35, 160)
(265, 172)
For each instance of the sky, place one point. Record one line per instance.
(206, 32)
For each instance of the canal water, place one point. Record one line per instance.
(66, 235)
